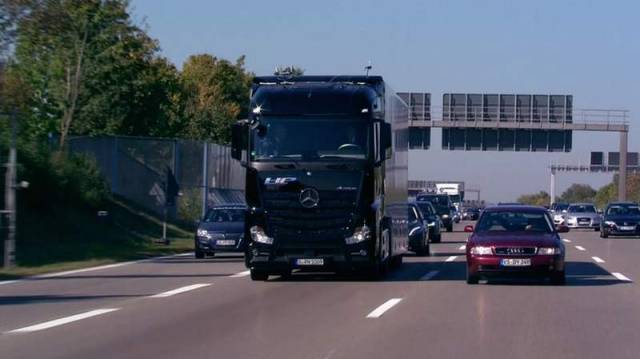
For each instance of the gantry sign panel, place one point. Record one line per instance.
(612, 162)
(525, 111)
(419, 110)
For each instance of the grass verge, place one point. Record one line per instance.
(66, 239)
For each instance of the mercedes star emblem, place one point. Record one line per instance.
(309, 198)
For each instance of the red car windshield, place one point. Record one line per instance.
(514, 221)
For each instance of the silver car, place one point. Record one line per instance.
(582, 215)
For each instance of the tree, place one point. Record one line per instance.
(578, 193)
(91, 70)
(609, 192)
(541, 198)
(215, 94)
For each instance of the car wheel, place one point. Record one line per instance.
(437, 238)
(558, 278)
(472, 278)
(199, 254)
(596, 229)
(604, 233)
(259, 275)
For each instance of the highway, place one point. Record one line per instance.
(179, 307)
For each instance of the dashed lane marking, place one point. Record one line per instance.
(462, 247)
(621, 277)
(378, 312)
(451, 259)
(598, 259)
(62, 321)
(566, 240)
(180, 290)
(580, 248)
(430, 275)
(240, 274)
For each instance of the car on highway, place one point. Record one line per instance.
(471, 214)
(443, 206)
(582, 215)
(621, 219)
(558, 211)
(418, 231)
(221, 230)
(432, 220)
(515, 241)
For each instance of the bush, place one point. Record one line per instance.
(57, 178)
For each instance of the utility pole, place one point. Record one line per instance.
(10, 199)
(622, 174)
(552, 192)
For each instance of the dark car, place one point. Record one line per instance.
(620, 219)
(471, 214)
(418, 231)
(515, 240)
(432, 220)
(443, 206)
(221, 230)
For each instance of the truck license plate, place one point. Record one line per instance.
(515, 262)
(310, 261)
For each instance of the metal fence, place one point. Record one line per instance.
(136, 169)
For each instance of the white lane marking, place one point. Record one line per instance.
(240, 274)
(621, 277)
(430, 275)
(62, 321)
(377, 313)
(598, 259)
(90, 269)
(83, 270)
(566, 240)
(180, 290)
(451, 259)
(462, 247)
(580, 248)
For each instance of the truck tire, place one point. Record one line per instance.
(437, 238)
(472, 279)
(259, 275)
(450, 228)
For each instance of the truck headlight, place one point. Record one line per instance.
(258, 235)
(203, 233)
(548, 251)
(481, 251)
(360, 234)
(445, 216)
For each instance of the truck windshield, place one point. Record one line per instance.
(279, 138)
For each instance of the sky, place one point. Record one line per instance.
(589, 49)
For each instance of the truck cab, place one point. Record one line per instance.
(326, 175)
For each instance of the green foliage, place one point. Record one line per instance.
(609, 193)
(215, 94)
(541, 198)
(578, 193)
(58, 178)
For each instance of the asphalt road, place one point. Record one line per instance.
(179, 307)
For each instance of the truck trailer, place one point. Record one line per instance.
(326, 161)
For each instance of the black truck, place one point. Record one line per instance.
(326, 161)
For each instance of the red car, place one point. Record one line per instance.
(515, 241)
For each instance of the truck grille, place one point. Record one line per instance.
(291, 223)
(515, 251)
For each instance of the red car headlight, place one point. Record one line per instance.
(548, 251)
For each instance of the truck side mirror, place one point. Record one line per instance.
(385, 140)
(238, 139)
